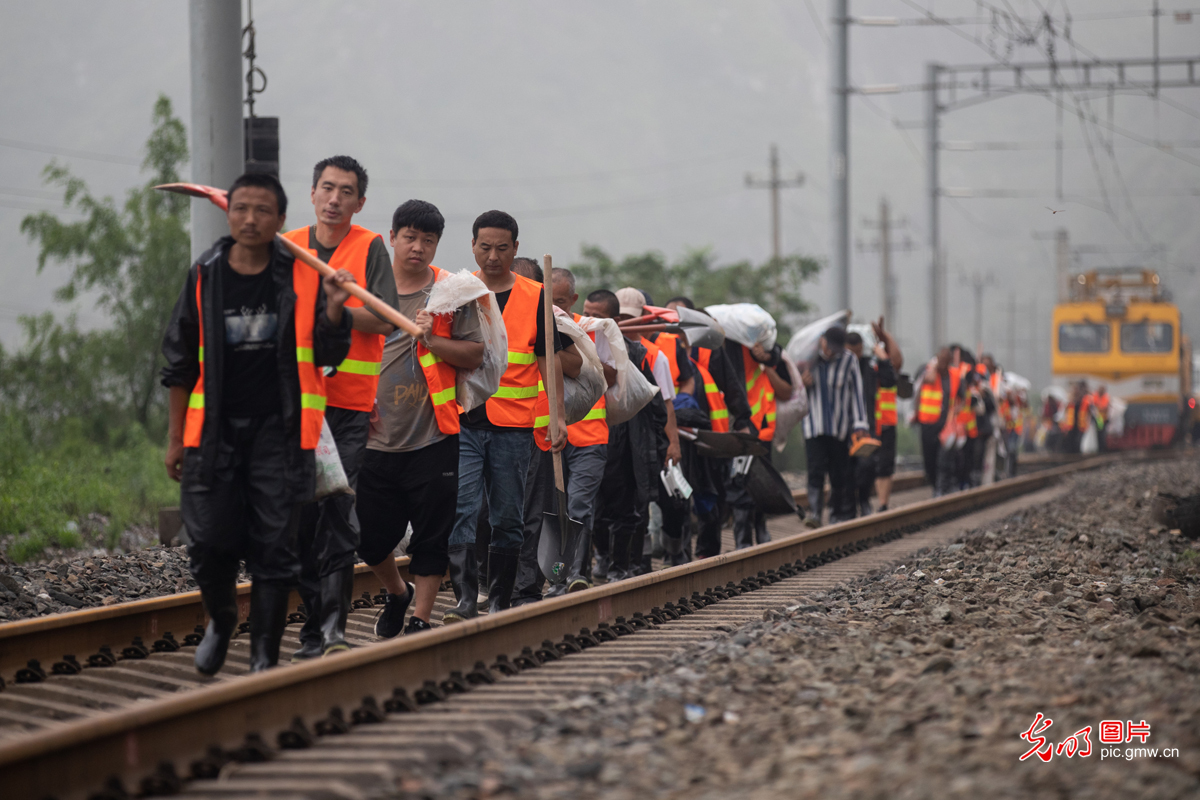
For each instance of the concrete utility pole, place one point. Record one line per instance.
(978, 284)
(937, 277)
(839, 157)
(1010, 361)
(886, 247)
(216, 55)
(775, 183)
(1062, 265)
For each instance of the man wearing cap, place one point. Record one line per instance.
(836, 417)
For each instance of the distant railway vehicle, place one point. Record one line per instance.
(1120, 330)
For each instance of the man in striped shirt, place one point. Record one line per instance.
(836, 417)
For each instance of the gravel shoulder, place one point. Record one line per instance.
(918, 680)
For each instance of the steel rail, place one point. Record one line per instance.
(71, 760)
(81, 633)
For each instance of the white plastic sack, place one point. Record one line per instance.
(802, 348)
(1116, 417)
(453, 291)
(331, 476)
(632, 391)
(790, 411)
(580, 394)
(745, 323)
(1090, 442)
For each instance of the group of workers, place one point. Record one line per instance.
(263, 354)
(1068, 422)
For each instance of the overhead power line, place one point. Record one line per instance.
(70, 153)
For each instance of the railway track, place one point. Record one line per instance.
(147, 727)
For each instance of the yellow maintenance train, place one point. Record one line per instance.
(1118, 330)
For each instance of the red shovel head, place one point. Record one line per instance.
(215, 196)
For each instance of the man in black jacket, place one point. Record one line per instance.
(244, 348)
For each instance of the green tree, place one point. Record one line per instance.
(132, 259)
(775, 285)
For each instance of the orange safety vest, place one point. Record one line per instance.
(514, 405)
(668, 344)
(929, 403)
(439, 375)
(593, 428)
(885, 408)
(718, 414)
(761, 395)
(1068, 422)
(306, 283)
(357, 376)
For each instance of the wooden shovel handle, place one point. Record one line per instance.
(371, 301)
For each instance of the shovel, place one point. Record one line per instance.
(560, 534)
(219, 199)
(697, 328)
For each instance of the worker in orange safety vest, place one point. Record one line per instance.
(244, 349)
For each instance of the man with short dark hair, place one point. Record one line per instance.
(329, 529)
(496, 438)
(410, 470)
(874, 472)
(244, 350)
(836, 416)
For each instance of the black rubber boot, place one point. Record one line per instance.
(816, 508)
(618, 562)
(464, 577)
(268, 616)
(502, 576)
(220, 602)
(579, 577)
(310, 632)
(743, 526)
(337, 590)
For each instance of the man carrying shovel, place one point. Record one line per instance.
(329, 529)
(244, 350)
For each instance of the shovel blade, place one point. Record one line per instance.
(214, 195)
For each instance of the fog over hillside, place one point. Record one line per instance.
(631, 125)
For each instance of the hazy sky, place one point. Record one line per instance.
(631, 125)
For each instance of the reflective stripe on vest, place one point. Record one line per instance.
(305, 283)
(357, 377)
(718, 414)
(593, 428)
(512, 406)
(440, 376)
(761, 396)
(885, 409)
(929, 404)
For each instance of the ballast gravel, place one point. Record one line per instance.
(916, 681)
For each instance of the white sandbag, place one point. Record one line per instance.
(580, 394)
(789, 412)
(632, 392)
(802, 348)
(1115, 426)
(745, 323)
(453, 291)
(331, 476)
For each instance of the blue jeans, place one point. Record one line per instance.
(496, 462)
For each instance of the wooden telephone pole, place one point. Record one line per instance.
(775, 183)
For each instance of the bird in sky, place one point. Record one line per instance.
(1052, 211)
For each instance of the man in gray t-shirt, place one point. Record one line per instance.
(410, 470)
(406, 420)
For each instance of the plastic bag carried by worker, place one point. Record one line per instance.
(583, 392)
(788, 413)
(745, 323)
(802, 348)
(452, 291)
(331, 475)
(632, 392)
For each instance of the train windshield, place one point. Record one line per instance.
(1083, 337)
(1147, 337)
